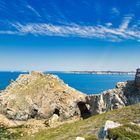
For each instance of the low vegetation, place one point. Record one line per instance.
(10, 133)
(126, 132)
(87, 128)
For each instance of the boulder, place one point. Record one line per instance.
(54, 120)
(108, 125)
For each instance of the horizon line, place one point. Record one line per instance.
(68, 70)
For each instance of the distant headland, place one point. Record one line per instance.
(82, 72)
(99, 72)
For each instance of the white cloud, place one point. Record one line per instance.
(102, 32)
(108, 24)
(125, 22)
(9, 32)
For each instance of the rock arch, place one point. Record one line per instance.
(84, 111)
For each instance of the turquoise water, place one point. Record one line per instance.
(87, 83)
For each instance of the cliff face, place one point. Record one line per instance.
(38, 95)
(106, 101)
(125, 93)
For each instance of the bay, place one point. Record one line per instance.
(87, 83)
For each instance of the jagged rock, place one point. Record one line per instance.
(106, 101)
(120, 85)
(125, 93)
(37, 95)
(108, 125)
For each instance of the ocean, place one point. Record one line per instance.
(87, 83)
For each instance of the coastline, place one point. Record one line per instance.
(96, 72)
(83, 72)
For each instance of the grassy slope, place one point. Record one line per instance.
(125, 132)
(84, 128)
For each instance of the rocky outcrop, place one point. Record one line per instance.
(125, 93)
(106, 101)
(38, 96)
(44, 96)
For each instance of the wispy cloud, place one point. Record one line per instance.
(108, 24)
(125, 22)
(9, 32)
(106, 32)
(115, 11)
(33, 10)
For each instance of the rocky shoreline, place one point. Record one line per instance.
(45, 97)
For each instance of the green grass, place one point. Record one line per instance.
(6, 134)
(126, 132)
(91, 137)
(89, 128)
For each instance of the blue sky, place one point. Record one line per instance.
(69, 35)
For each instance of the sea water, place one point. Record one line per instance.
(87, 83)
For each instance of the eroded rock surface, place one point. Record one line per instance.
(38, 95)
(106, 101)
(125, 93)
